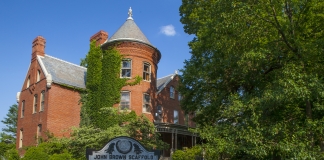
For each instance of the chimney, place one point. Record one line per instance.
(38, 47)
(100, 37)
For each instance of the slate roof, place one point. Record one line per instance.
(67, 73)
(129, 31)
(162, 82)
(64, 72)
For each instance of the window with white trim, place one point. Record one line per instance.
(28, 82)
(146, 103)
(125, 100)
(42, 101)
(175, 117)
(35, 104)
(20, 138)
(179, 97)
(38, 75)
(171, 92)
(39, 132)
(146, 72)
(158, 114)
(22, 109)
(126, 69)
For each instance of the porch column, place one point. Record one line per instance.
(176, 139)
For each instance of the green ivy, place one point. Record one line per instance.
(103, 85)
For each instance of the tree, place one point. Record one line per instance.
(255, 77)
(11, 124)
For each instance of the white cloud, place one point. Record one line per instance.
(168, 30)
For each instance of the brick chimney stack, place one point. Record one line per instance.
(38, 47)
(100, 37)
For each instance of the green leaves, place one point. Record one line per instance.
(254, 77)
(103, 87)
(11, 124)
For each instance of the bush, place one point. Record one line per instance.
(65, 156)
(187, 154)
(35, 153)
(11, 154)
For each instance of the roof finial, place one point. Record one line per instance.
(130, 13)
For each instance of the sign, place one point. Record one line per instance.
(122, 148)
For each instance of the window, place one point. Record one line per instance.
(175, 117)
(22, 109)
(38, 75)
(146, 103)
(38, 132)
(179, 96)
(186, 119)
(147, 72)
(42, 101)
(125, 100)
(28, 82)
(126, 68)
(35, 103)
(20, 138)
(171, 92)
(158, 113)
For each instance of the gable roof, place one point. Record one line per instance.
(63, 72)
(161, 83)
(129, 31)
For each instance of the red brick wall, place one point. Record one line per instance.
(63, 110)
(140, 53)
(170, 104)
(29, 122)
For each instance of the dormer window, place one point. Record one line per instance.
(126, 68)
(171, 92)
(147, 72)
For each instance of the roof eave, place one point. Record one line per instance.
(131, 39)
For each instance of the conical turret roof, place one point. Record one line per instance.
(129, 31)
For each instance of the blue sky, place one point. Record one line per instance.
(67, 27)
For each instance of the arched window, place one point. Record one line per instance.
(22, 109)
(20, 138)
(28, 82)
(42, 101)
(38, 75)
(35, 104)
(171, 92)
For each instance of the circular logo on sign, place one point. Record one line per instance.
(124, 146)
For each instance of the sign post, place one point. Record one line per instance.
(122, 148)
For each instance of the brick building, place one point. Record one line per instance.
(49, 98)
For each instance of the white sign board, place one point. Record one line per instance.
(122, 148)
